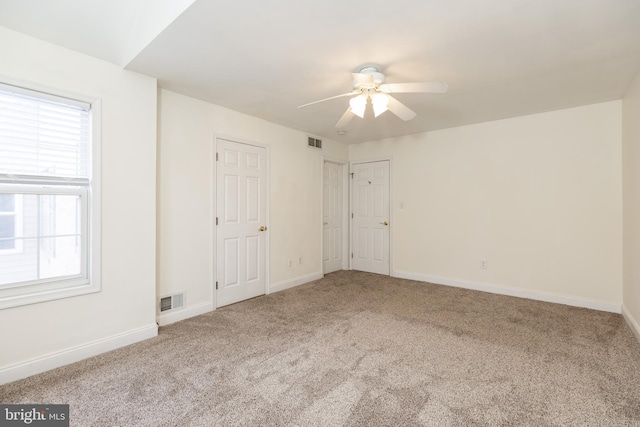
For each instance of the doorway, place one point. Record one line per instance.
(333, 217)
(241, 225)
(370, 221)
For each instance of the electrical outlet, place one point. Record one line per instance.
(290, 262)
(299, 260)
(483, 264)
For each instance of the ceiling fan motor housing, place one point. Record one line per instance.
(378, 78)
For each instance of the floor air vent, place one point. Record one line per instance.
(171, 302)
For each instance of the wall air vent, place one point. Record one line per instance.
(314, 142)
(172, 302)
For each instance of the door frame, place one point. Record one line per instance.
(214, 209)
(346, 208)
(391, 210)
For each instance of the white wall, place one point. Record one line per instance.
(631, 193)
(185, 189)
(41, 336)
(538, 197)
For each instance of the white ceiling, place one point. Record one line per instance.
(501, 58)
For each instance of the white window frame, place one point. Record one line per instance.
(89, 280)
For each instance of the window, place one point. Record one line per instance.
(48, 197)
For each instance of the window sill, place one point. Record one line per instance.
(63, 289)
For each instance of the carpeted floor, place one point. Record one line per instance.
(361, 349)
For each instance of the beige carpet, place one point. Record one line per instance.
(362, 349)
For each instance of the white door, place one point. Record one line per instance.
(332, 217)
(370, 222)
(241, 222)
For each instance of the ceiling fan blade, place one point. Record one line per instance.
(424, 87)
(353, 92)
(363, 79)
(400, 110)
(345, 119)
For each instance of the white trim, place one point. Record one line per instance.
(48, 90)
(346, 209)
(94, 243)
(633, 323)
(26, 91)
(213, 204)
(292, 283)
(75, 354)
(594, 304)
(322, 163)
(184, 313)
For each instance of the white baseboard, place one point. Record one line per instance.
(185, 313)
(74, 354)
(633, 323)
(291, 283)
(601, 305)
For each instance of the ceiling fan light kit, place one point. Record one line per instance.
(358, 105)
(380, 102)
(369, 83)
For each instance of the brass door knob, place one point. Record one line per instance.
(384, 223)
(263, 228)
(326, 223)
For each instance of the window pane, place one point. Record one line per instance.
(20, 266)
(7, 231)
(7, 226)
(48, 243)
(7, 203)
(29, 215)
(7, 244)
(59, 215)
(59, 256)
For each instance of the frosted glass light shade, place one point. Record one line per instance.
(358, 105)
(380, 102)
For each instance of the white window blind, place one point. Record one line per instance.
(43, 138)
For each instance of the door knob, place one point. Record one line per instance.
(384, 223)
(326, 223)
(263, 228)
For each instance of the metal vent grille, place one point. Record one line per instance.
(314, 142)
(177, 301)
(165, 303)
(171, 302)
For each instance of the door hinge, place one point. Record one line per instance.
(351, 215)
(216, 157)
(351, 254)
(351, 175)
(216, 286)
(216, 220)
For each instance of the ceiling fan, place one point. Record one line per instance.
(369, 84)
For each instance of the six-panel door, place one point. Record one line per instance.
(332, 218)
(370, 208)
(241, 229)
